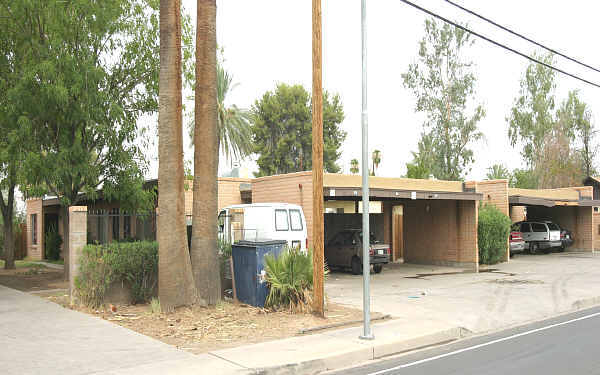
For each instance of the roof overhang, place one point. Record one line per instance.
(330, 193)
(589, 202)
(519, 200)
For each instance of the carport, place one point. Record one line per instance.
(570, 208)
(424, 221)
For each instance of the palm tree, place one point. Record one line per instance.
(203, 250)
(175, 280)
(376, 156)
(234, 134)
(354, 166)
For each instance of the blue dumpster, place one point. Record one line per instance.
(248, 266)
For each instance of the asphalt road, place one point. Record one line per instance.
(564, 345)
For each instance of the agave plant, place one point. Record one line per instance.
(290, 279)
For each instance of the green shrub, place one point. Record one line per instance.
(52, 243)
(131, 263)
(290, 280)
(492, 234)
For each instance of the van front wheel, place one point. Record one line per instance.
(356, 265)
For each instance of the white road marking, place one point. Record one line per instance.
(483, 345)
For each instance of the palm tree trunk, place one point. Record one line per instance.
(7, 217)
(205, 261)
(175, 280)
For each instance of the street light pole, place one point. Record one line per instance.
(367, 334)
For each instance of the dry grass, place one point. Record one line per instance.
(199, 330)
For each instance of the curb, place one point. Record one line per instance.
(371, 352)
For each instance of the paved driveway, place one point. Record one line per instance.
(40, 337)
(528, 288)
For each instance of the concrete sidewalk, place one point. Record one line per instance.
(41, 337)
(313, 354)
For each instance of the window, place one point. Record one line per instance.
(127, 226)
(101, 230)
(553, 226)
(525, 227)
(115, 223)
(538, 227)
(34, 229)
(596, 209)
(296, 220)
(281, 220)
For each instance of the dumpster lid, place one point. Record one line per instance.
(260, 242)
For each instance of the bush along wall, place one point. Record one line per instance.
(131, 263)
(492, 234)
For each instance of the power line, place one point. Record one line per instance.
(522, 36)
(499, 44)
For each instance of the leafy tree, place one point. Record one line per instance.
(205, 261)
(497, 172)
(176, 285)
(575, 118)
(91, 74)
(558, 146)
(532, 115)
(282, 131)
(443, 83)
(234, 133)
(524, 179)
(354, 166)
(14, 141)
(376, 157)
(422, 165)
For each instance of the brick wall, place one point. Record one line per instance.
(441, 232)
(35, 251)
(294, 188)
(585, 232)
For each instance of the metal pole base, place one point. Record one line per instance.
(369, 337)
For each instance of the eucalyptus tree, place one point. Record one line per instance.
(443, 83)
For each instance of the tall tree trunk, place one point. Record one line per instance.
(7, 219)
(175, 280)
(205, 260)
(66, 242)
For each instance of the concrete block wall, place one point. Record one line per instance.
(441, 232)
(495, 192)
(228, 188)
(294, 188)
(596, 227)
(585, 234)
(35, 251)
(518, 213)
(468, 251)
(77, 241)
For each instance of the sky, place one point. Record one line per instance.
(266, 42)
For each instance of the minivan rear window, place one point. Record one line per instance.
(525, 228)
(296, 220)
(538, 227)
(281, 220)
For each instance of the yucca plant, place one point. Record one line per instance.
(290, 278)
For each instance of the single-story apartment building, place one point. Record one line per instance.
(424, 221)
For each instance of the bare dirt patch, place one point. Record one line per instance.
(33, 279)
(199, 330)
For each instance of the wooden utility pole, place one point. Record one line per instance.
(317, 163)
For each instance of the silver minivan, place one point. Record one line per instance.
(540, 235)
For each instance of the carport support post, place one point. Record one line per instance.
(367, 334)
(77, 233)
(317, 163)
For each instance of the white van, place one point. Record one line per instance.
(264, 221)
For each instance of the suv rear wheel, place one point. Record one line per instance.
(533, 248)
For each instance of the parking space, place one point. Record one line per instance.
(529, 287)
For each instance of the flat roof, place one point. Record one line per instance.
(334, 180)
(562, 194)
